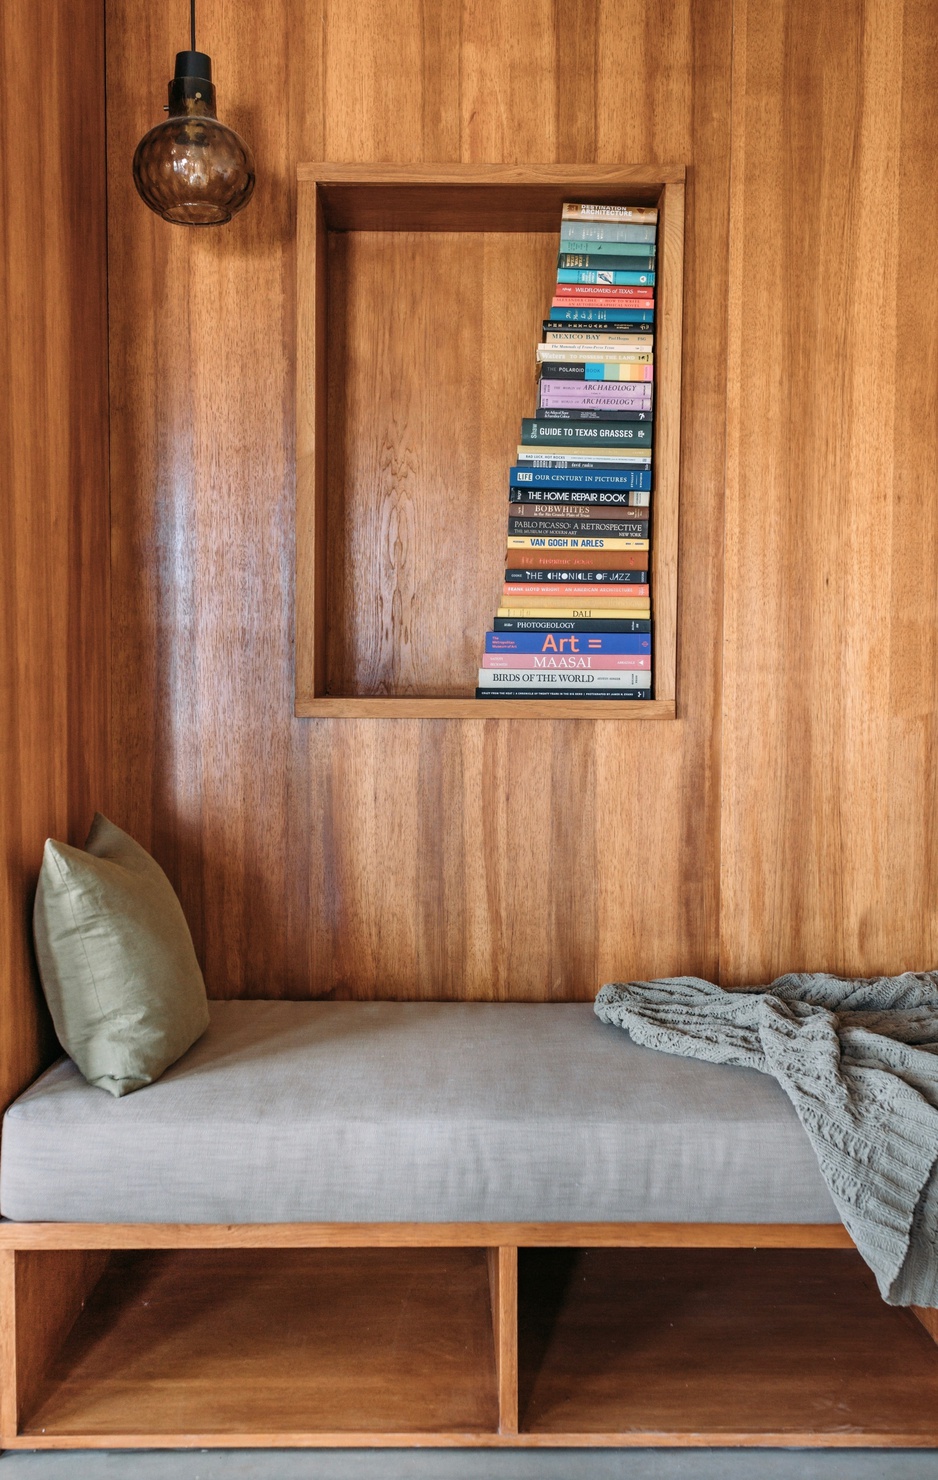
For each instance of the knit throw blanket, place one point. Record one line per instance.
(859, 1062)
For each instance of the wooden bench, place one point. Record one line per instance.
(374, 1310)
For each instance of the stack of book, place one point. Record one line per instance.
(575, 614)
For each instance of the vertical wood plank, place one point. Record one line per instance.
(503, 1288)
(667, 438)
(311, 445)
(829, 808)
(53, 478)
(7, 1346)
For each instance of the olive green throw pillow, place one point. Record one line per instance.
(116, 959)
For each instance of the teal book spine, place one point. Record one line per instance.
(605, 275)
(638, 250)
(605, 231)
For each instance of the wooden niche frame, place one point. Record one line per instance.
(493, 199)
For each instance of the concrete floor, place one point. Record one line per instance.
(438, 1464)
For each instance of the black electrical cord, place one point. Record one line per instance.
(192, 24)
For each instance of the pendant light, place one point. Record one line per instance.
(191, 169)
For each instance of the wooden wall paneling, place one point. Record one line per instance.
(53, 475)
(910, 763)
(7, 1345)
(202, 453)
(347, 856)
(829, 804)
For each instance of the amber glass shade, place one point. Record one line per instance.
(191, 169)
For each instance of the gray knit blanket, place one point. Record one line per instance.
(859, 1062)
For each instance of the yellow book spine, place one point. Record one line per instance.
(600, 354)
(520, 542)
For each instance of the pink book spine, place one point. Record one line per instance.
(629, 662)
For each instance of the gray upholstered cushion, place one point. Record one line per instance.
(349, 1111)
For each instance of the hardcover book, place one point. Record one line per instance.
(565, 678)
(548, 693)
(576, 211)
(581, 625)
(521, 530)
(605, 231)
(598, 480)
(616, 277)
(600, 433)
(574, 642)
(574, 315)
(621, 257)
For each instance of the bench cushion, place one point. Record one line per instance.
(425, 1112)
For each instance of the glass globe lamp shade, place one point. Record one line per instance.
(191, 169)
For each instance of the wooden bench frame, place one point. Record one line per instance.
(41, 1297)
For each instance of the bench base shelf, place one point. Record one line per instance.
(234, 1337)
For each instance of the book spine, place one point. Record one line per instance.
(598, 497)
(579, 625)
(558, 478)
(621, 257)
(547, 693)
(581, 462)
(583, 458)
(550, 643)
(573, 395)
(589, 397)
(569, 606)
(611, 277)
(589, 413)
(569, 663)
(600, 298)
(605, 293)
(528, 579)
(619, 532)
(596, 370)
(577, 211)
(629, 549)
(610, 333)
(530, 567)
(573, 566)
(569, 590)
(577, 679)
(606, 231)
(592, 611)
(598, 433)
(592, 354)
(639, 502)
(574, 314)
(642, 391)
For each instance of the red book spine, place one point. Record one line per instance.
(552, 662)
(605, 290)
(647, 303)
